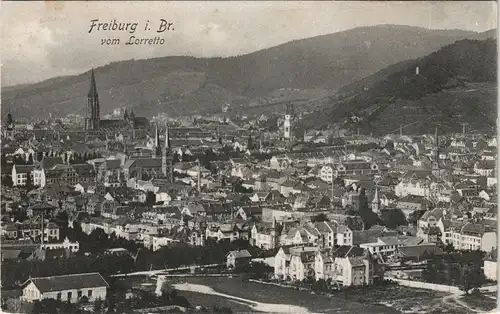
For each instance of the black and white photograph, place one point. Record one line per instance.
(295, 157)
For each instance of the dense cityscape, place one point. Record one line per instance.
(168, 200)
(293, 157)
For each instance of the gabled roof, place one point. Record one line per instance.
(110, 164)
(240, 254)
(347, 251)
(69, 282)
(24, 168)
(49, 162)
(419, 250)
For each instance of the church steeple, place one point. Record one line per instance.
(167, 158)
(167, 138)
(376, 202)
(92, 116)
(157, 136)
(92, 88)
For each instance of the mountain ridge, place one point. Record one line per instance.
(454, 85)
(324, 62)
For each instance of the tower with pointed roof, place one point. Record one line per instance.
(9, 129)
(376, 202)
(157, 152)
(288, 124)
(167, 158)
(92, 116)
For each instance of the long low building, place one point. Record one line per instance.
(70, 288)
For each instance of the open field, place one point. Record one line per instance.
(480, 302)
(245, 297)
(389, 299)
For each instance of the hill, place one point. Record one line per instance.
(184, 85)
(454, 85)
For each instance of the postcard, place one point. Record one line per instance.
(249, 157)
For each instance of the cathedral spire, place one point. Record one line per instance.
(92, 88)
(93, 109)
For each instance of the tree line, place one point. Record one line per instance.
(462, 269)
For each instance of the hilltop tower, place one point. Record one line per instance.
(288, 125)
(93, 109)
(167, 158)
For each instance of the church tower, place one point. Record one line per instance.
(167, 159)
(376, 202)
(157, 152)
(288, 124)
(9, 130)
(93, 110)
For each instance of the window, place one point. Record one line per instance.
(89, 294)
(59, 295)
(79, 294)
(69, 295)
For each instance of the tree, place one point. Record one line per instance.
(150, 198)
(250, 143)
(175, 158)
(471, 277)
(39, 156)
(368, 216)
(319, 218)
(29, 182)
(30, 160)
(393, 218)
(7, 181)
(98, 306)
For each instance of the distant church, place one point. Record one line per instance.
(9, 128)
(93, 121)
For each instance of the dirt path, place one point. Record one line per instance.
(459, 303)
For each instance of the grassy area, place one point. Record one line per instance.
(480, 302)
(381, 299)
(406, 299)
(280, 295)
(209, 301)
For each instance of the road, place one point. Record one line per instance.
(159, 271)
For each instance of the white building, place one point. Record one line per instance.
(162, 241)
(66, 288)
(20, 174)
(264, 238)
(471, 236)
(326, 173)
(66, 244)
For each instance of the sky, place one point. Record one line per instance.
(40, 40)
